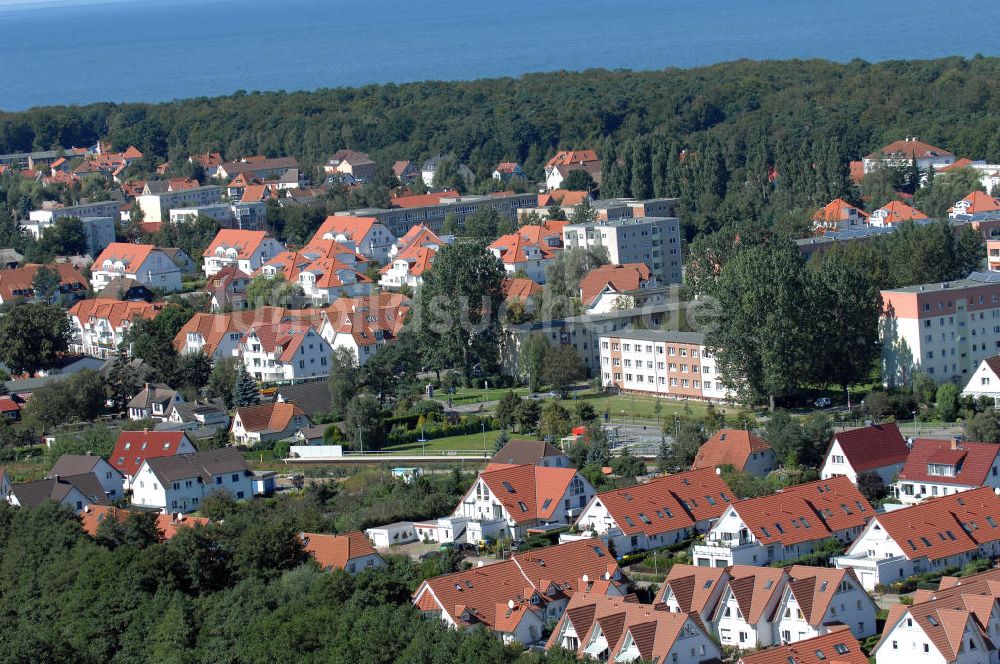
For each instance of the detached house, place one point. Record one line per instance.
(558, 168)
(619, 629)
(408, 267)
(520, 255)
(985, 382)
(895, 212)
(611, 287)
(245, 250)
(267, 422)
(99, 325)
(941, 467)
(351, 552)
(144, 263)
(134, 447)
(740, 449)
(508, 170)
(109, 477)
(515, 598)
(936, 534)
(785, 525)
(364, 324)
(74, 491)
(878, 449)
(179, 483)
(366, 235)
(507, 500)
(663, 511)
(153, 402)
(18, 284)
(533, 452)
(288, 351)
(227, 289)
(838, 214)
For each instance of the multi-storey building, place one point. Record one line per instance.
(660, 362)
(145, 263)
(99, 325)
(399, 220)
(655, 241)
(944, 329)
(156, 207)
(247, 250)
(285, 352)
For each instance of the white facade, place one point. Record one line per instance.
(399, 275)
(157, 272)
(731, 542)
(655, 241)
(322, 291)
(393, 533)
(112, 481)
(837, 463)
(248, 264)
(40, 220)
(185, 495)
(734, 629)
(309, 360)
(984, 383)
(156, 207)
(908, 643)
(243, 436)
(850, 605)
(596, 518)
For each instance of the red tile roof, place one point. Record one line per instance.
(567, 157)
(18, 282)
(132, 255)
(268, 416)
(898, 211)
(134, 447)
(837, 647)
(615, 278)
(419, 259)
(972, 461)
(909, 149)
(506, 167)
(116, 312)
(946, 526)
(980, 201)
(838, 210)
(352, 228)
(535, 491)
(521, 288)
(167, 524)
(245, 242)
(422, 200)
(692, 586)
(514, 248)
(873, 447)
(729, 447)
(754, 588)
(335, 551)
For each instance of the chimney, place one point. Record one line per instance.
(954, 443)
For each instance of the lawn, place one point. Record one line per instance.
(635, 406)
(472, 442)
(465, 395)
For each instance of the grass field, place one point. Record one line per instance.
(633, 406)
(472, 442)
(465, 395)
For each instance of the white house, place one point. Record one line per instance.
(246, 250)
(524, 496)
(351, 552)
(289, 351)
(879, 449)
(367, 235)
(74, 491)
(109, 477)
(520, 255)
(180, 483)
(153, 402)
(99, 325)
(985, 382)
(326, 279)
(936, 534)
(408, 268)
(785, 525)
(156, 207)
(143, 262)
(937, 467)
(267, 422)
(663, 511)
(817, 598)
(133, 448)
(737, 448)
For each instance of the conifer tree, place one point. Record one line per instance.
(246, 392)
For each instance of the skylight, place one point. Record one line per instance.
(840, 648)
(822, 587)
(545, 505)
(645, 519)
(819, 655)
(711, 501)
(708, 584)
(768, 584)
(780, 529)
(932, 620)
(763, 529)
(629, 521)
(507, 486)
(926, 541)
(524, 508)
(599, 552)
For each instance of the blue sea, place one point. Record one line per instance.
(80, 51)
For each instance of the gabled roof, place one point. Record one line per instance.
(909, 148)
(754, 588)
(115, 312)
(566, 157)
(565, 565)
(282, 338)
(151, 394)
(837, 647)
(313, 398)
(33, 494)
(873, 447)
(513, 249)
(527, 492)
(692, 586)
(419, 235)
(352, 228)
(838, 210)
(419, 259)
(978, 202)
(814, 588)
(693, 488)
(946, 526)
(132, 255)
(134, 447)
(245, 242)
(897, 211)
(199, 464)
(521, 288)
(615, 278)
(167, 524)
(74, 464)
(971, 461)
(335, 551)
(729, 447)
(19, 282)
(520, 452)
(268, 417)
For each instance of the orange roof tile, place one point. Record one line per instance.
(268, 416)
(132, 255)
(873, 447)
(971, 462)
(245, 242)
(336, 551)
(134, 447)
(534, 493)
(521, 288)
(116, 312)
(838, 210)
(837, 647)
(897, 212)
(732, 447)
(19, 281)
(616, 278)
(352, 228)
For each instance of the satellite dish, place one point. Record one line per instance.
(479, 564)
(607, 576)
(718, 471)
(586, 578)
(510, 604)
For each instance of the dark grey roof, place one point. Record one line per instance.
(151, 394)
(200, 464)
(518, 452)
(188, 410)
(74, 464)
(33, 494)
(157, 186)
(313, 398)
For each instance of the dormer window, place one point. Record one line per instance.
(941, 469)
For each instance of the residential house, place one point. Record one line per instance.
(895, 212)
(978, 204)
(199, 415)
(143, 262)
(258, 167)
(662, 512)
(944, 329)
(934, 535)
(245, 250)
(408, 268)
(420, 235)
(740, 449)
(655, 241)
(904, 152)
(11, 406)
(126, 289)
(364, 324)
(531, 452)
(515, 598)
(879, 449)
(227, 289)
(358, 165)
(267, 422)
(837, 646)
(134, 447)
(521, 256)
(180, 259)
(985, 382)
(432, 209)
(289, 351)
(312, 398)
(608, 287)
(508, 500)
(168, 524)
(958, 622)
(110, 478)
(523, 291)
(18, 284)
(97, 231)
(181, 482)
(786, 525)
(351, 552)
(508, 170)
(406, 171)
(73, 491)
(619, 629)
(222, 335)
(98, 326)
(566, 161)
(938, 467)
(153, 402)
(430, 167)
(366, 235)
(839, 215)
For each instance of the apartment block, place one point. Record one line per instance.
(156, 207)
(655, 241)
(944, 329)
(399, 220)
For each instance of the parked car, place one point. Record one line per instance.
(823, 402)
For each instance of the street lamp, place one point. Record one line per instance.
(484, 440)
(915, 432)
(486, 385)
(361, 441)
(423, 441)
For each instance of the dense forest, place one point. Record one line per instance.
(762, 139)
